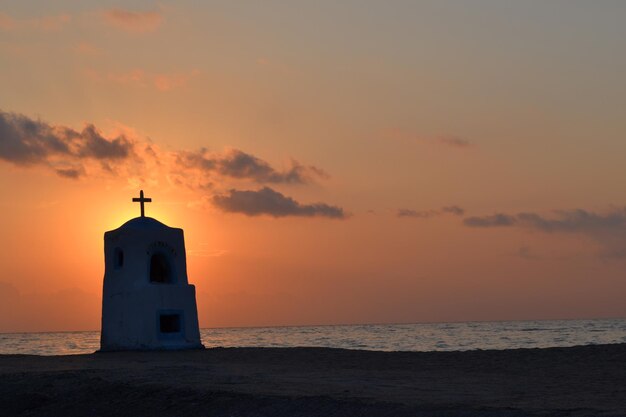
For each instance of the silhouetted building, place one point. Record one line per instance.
(147, 301)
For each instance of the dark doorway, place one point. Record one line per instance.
(169, 323)
(160, 269)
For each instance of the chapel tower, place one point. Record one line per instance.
(147, 301)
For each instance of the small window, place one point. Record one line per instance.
(118, 258)
(160, 269)
(169, 323)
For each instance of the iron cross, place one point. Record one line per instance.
(142, 200)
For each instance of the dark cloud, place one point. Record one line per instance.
(608, 229)
(69, 172)
(496, 220)
(238, 164)
(273, 203)
(75, 154)
(456, 210)
(241, 165)
(25, 141)
(451, 141)
(526, 253)
(94, 145)
(571, 221)
(454, 141)
(424, 214)
(577, 220)
(200, 159)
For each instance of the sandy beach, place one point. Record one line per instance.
(576, 381)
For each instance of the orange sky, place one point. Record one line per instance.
(330, 163)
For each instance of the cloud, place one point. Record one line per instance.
(401, 135)
(416, 214)
(241, 165)
(6, 22)
(576, 221)
(566, 221)
(454, 141)
(526, 253)
(131, 21)
(70, 172)
(608, 228)
(96, 146)
(167, 82)
(86, 49)
(456, 210)
(272, 203)
(140, 78)
(425, 214)
(51, 23)
(25, 141)
(89, 153)
(496, 220)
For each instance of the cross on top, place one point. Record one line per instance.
(142, 200)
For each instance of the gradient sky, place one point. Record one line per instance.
(330, 162)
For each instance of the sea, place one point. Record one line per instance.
(421, 337)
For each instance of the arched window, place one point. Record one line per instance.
(118, 258)
(160, 269)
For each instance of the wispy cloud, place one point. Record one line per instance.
(608, 228)
(70, 172)
(451, 141)
(525, 252)
(133, 21)
(565, 221)
(6, 22)
(495, 220)
(126, 20)
(50, 23)
(144, 79)
(86, 49)
(272, 203)
(425, 214)
(456, 210)
(418, 214)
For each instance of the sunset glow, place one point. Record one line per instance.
(330, 163)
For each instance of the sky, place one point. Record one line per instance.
(329, 162)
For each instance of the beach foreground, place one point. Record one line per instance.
(576, 381)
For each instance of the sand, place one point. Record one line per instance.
(577, 381)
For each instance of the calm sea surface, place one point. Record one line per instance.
(389, 337)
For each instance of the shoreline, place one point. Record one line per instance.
(585, 380)
(408, 323)
(414, 337)
(203, 348)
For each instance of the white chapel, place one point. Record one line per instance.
(147, 301)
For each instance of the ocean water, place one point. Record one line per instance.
(385, 337)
